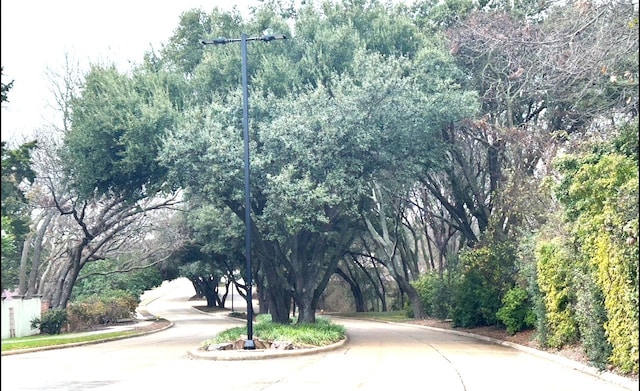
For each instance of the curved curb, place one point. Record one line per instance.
(260, 354)
(74, 344)
(609, 377)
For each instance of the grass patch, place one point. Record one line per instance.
(391, 316)
(41, 341)
(320, 333)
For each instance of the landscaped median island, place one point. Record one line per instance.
(270, 335)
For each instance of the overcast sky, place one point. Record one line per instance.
(36, 35)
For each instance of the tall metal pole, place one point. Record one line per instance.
(249, 343)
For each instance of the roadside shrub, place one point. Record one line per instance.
(516, 312)
(408, 310)
(591, 316)
(541, 323)
(487, 274)
(51, 322)
(468, 301)
(554, 281)
(620, 301)
(105, 309)
(435, 294)
(600, 194)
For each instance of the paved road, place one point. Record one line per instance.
(378, 356)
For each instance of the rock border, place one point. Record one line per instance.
(260, 354)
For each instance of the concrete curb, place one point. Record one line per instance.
(260, 354)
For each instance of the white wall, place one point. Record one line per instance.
(17, 315)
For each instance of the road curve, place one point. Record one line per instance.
(378, 356)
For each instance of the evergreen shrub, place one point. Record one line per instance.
(487, 274)
(51, 322)
(516, 312)
(435, 293)
(554, 269)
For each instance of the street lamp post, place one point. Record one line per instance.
(249, 343)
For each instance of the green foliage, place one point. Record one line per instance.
(118, 122)
(470, 301)
(621, 302)
(600, 193)
(184, 47)
(435, 290)
(438, 15)
(104, 309)
(554, 272)
(626, 142)
(98, 279)
(311, 148)
(591, 317)
(16, 172)
(487, 274)
(321, 333)
(5, 87)
(8, 238)
(51, 322)
(9, 258)
(516, 312)
(528, 277)
(595, 291)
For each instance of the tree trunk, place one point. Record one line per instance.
(359, 300)
(307, 309)
(279, 305)
(207, 286)
(32, 289)
(22, 276)
(355, 290)
(72, 275)
(263, 298)
(382, 293)
(414, 297)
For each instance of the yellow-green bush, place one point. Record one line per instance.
(602, 203)
(554, 281)
(621, 302)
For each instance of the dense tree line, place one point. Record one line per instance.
(478, 158)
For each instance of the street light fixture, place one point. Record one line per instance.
(249, 343)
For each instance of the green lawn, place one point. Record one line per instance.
(391, 316)
(39, 341)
